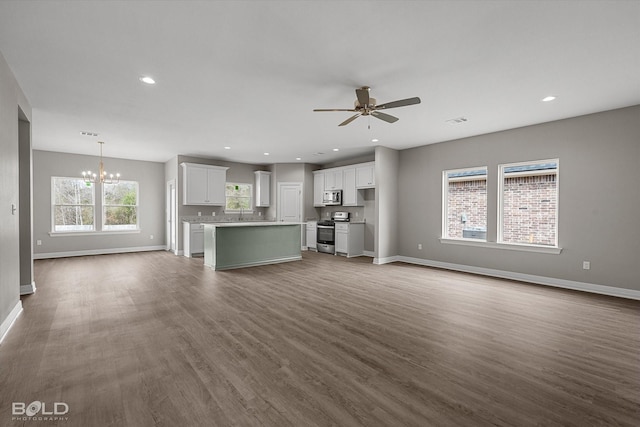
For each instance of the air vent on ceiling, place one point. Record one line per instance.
(457, 120)
(88, 133)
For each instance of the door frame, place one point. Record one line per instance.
(279, 199)
(171, 226)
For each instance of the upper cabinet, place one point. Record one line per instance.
(263, 189)
(333, 179)
(350, 179)
(365, 176)
(203, 184)
(350, 194)
(318, 188)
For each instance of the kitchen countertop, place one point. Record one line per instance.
(250, 223)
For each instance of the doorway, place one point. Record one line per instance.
(25, 205)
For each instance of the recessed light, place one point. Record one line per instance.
(298, 158)
(336, 149)
(375, 140)
(227, 148)
(548, 98)
(148, 80)
(266, 154)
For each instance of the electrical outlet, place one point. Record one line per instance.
(586, 265)
(39, 242)
(151, 237)
(213, 213)
(356, 214)
(199, 213)
(259, 213)
(419, 246)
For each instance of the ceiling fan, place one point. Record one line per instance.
(364, 105)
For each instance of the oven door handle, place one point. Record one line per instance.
(326, 226)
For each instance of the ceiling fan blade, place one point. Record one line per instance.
(382, 116)
(334, 109)
(350, 119)
(401, 103)
(363, 95)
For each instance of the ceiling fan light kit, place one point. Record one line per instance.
(365, 105)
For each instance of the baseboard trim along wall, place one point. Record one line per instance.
(530, 278)
(386, 260)
(98, 252)
(28, 289)
(10, 320)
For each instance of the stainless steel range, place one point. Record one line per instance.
(326, 241)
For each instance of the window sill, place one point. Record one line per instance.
(506, 246)
(91, 233)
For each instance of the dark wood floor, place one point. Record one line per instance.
(153, 339)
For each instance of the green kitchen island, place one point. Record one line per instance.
(247, 244)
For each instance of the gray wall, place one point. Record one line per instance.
(386, 203)
(599, 198)
(11, 100)
(351, 161)
(151, 181)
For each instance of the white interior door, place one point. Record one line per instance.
(290, 201)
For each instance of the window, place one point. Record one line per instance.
(120, 206)
(465, 204)
(239, 197)
(528, 203)
(73, 205)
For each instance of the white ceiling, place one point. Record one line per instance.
(247, 74)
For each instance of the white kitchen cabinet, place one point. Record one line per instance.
(365, 176)
(318, 188)
(350, 194)
(203, 184)
(263, 189)
(333, 179)
(312, 235)
(193, 239)
(350, 239)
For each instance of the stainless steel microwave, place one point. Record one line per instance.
(332, 198)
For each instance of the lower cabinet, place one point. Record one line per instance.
(350, 239)
(312, 235)
(193, 239)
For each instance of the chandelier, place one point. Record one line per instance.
(102, 176)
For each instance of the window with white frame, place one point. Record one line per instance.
(239, 197)
(73, 205)
(464, 203)
(120, 206)
(528, 203)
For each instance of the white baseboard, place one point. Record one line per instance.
(386, 260)
(98, 252)
(530, 278)
(9, 321)
(370, 254)
(28, 289)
